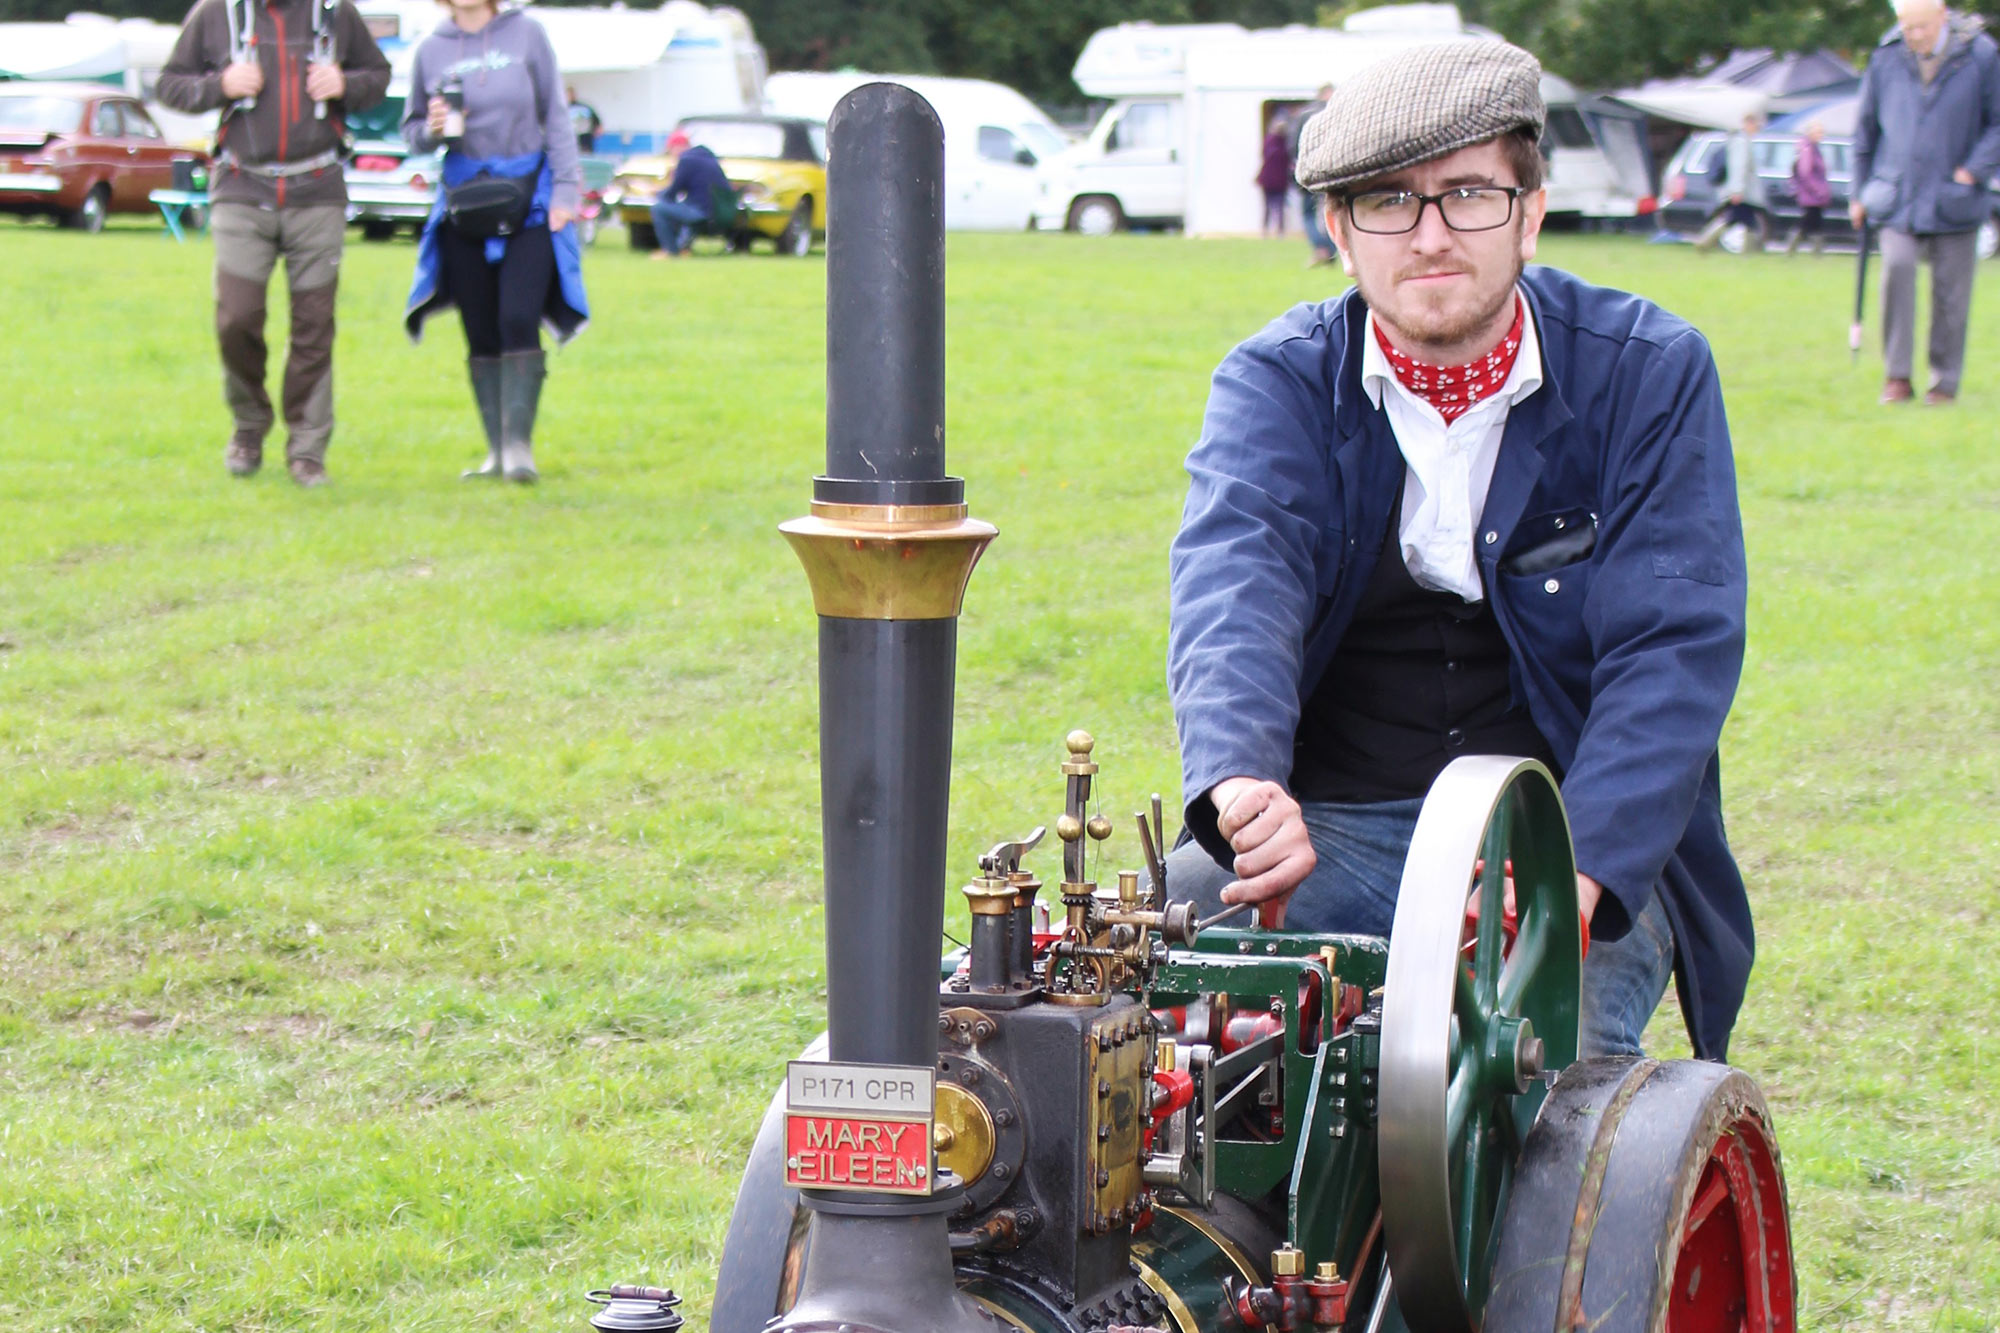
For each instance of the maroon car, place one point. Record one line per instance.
(78, 152)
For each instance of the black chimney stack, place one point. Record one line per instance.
(888, 548)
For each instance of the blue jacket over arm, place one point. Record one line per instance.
(1627, 659)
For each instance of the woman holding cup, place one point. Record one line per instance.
(498, 243)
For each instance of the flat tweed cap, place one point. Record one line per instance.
(1420, 104)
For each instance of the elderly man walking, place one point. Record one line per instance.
(1927, 141)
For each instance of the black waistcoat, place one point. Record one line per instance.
(1419, 678)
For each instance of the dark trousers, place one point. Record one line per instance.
(1954, 259)
(674, 221)
(248, 243)
(499, 304)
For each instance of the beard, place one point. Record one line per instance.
(1451, 319)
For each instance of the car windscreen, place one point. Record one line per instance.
(40, 115)
(737, 138)
(1045, 141)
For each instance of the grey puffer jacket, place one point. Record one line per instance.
(1910, 138)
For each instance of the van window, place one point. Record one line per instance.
(1774, 157)
(1566, 129)
(1144, 125)
(999, 145)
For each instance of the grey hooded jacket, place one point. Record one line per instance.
(1910, 138)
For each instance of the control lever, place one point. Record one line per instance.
(1005, 858)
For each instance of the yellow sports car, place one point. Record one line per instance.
(776, 164)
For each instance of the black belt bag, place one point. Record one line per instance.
(490, 205)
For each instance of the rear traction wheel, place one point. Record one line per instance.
(1650, 1198)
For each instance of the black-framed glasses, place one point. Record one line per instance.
(1465, 208)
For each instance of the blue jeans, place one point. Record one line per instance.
(674, 223)
(1316, 234)
(1353, 891)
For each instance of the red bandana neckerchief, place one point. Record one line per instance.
(1452, 390)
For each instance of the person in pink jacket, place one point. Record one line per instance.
(1810, 188)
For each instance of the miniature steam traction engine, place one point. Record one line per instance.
(1106, 1115)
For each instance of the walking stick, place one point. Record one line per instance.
(1860, 295)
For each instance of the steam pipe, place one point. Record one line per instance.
(888, 548)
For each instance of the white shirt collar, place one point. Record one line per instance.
(1449, 467)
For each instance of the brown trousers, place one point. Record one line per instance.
(248, 243)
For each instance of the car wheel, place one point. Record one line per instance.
(1989, 239)
(379, 231)
(1096, 215)
(89, 215)
(797, 237)
(639, 235)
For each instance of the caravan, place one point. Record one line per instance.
(994, 139)
(1181, 142)
(643, 70)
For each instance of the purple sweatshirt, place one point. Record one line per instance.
(1809, 181)
(513, 96)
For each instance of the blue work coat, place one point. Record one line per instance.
(565, 309)
(1627, 659)
(1909, 138)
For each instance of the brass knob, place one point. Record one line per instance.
(942, 1138)
(1328, 1271)
(1288, 1262)
(1099, 828)
(1128, 887)
(1079, 742)
(1069, 828)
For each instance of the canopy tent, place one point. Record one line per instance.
(87, 47)
(1709, 106)
(1757, 80)
(1836, 117)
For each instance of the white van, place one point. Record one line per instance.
(1182, 141)
(994, 139)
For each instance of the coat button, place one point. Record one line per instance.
(1454, 738)
(1553, 585)
(1492, 537)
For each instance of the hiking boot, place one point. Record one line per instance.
(307, 472)
(486, 375)
(244, 455)
(521, 375)
(1939, 396)
(1897, 391)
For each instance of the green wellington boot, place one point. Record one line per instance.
(521, 375)
(485, 373)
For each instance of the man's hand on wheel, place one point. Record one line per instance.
(1267, 831)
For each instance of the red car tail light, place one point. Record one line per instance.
(374, 162)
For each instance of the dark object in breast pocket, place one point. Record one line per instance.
(1550, 541)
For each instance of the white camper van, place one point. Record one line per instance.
(994, 139)
(643, 70)
(1182, 141)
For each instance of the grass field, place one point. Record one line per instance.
(411, 888)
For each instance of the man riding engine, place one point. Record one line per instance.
(1465, 507)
